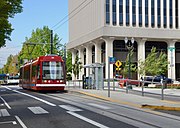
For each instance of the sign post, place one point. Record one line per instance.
(111, 60)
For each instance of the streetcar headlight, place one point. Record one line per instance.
(45, 81)
(49, 81)
(57, 81)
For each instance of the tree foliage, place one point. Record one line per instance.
(125, 69)
(39, 44)
(77, 66)
(155, 63)
(8, 8)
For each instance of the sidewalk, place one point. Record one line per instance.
(131, 99)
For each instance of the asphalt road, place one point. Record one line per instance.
(27, 109)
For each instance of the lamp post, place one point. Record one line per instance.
(129, 45)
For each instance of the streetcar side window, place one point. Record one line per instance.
(34, 71)
(38, 72)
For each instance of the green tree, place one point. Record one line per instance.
(8, 8)
(39, 44)
(155, 63)
(125, 69)
(69, 65)
(76, 67)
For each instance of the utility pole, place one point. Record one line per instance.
(51, 39)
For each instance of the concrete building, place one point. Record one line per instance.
(97, 29)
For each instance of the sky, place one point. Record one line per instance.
(36, 14)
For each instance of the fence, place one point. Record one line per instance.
(115, 85)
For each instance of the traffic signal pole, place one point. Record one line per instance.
(51, 39)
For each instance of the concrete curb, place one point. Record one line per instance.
(154, 107)
(108, 99)
(161, 107)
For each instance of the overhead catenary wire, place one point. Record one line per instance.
(69, 14)
(73, 15)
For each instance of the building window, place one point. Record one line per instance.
(176, 4)
(120, 12)
(170, 14)
(146, 13)
(107, 12)
(165, 14)
(127, 12)
(152, 14)
(140, 13)
(114, 12)
(159, 13)
(134, 12)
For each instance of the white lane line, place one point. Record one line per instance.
(37, 110)
(7, 105)
(70, 108)
(4, 112)
(98, 106)
(87, 120)
(8, 122)
(20, 122)
(39, 99)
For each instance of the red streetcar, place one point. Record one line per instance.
(44, 73)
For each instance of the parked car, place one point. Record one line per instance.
(122, 82)
(157, 79)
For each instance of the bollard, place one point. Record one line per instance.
(162, 89)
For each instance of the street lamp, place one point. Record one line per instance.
(129, 45)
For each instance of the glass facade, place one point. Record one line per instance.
(134, 12)
(120, 12)
(127, 12)
(114, 12)
(146, 13)
(140, 13)
(107, 12)
(160, 13)
(165, 13)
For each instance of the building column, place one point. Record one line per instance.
(137, 13)
(141, 52)
(130, 13)
(162, 13)
(110, 12)
(167, 8)
(171, 60)
(173, 13)
(155, 16)
(117, 12)
(97, 52)
(109, 53)
(124, 12)
(143, 13)
(74, 53)
(149, 13)
(81, 57)
(88, 58)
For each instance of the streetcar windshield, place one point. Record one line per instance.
(53, 70)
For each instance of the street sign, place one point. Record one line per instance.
(112, 60)
(118, 63)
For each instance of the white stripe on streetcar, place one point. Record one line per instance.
(98, 106)
(39, 99)
(4, 112)
(20, 122)
(7, 105)
(87, 120)
(37, 110)
(70, 108)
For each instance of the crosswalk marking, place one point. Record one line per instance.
(70, 108)
(98, 106)
(4, 112)
(38, 110)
